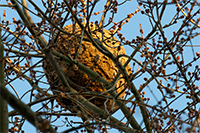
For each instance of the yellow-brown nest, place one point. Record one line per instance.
(88, 55)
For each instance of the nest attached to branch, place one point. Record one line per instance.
(89, 56)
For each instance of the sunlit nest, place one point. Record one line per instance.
(88, 55)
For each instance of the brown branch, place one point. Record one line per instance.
(24, 110)
(3, 103)
(24, 3)
(185, 14)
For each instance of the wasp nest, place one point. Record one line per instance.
(88, 55)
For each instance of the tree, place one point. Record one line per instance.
(71, 54)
